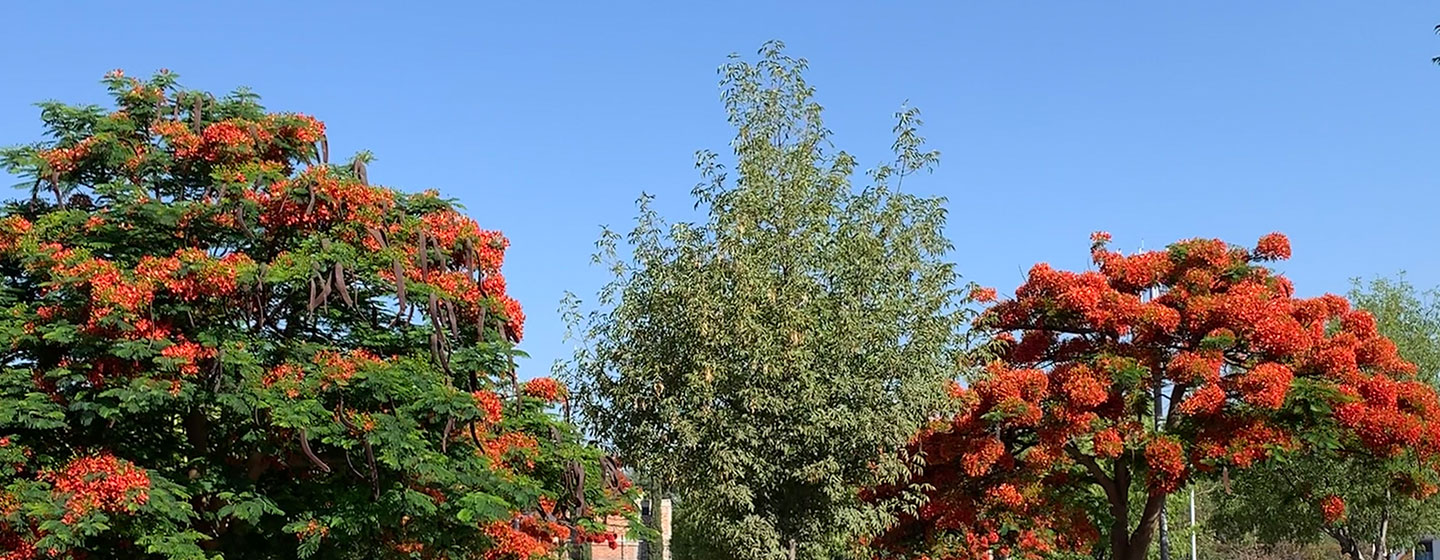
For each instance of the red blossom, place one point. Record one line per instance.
(99, 483)
(1273, 247)
(544, 388)
(1332, 509)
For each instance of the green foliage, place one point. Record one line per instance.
(766, 363)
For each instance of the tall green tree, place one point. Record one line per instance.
(767, 362)
(1295, 498)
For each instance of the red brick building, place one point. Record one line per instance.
(656, 513)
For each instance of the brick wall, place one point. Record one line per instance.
(628, 549)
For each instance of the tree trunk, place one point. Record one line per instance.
(1382, 551)
(1120, 532)
(1348, 548)
(1145, 531)
(791, 554)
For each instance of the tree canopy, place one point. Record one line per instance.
(766, 363)
(1056, 447)
(223, 344)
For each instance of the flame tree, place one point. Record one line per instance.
(1055, 449)
(1370, 503)
(221, 343)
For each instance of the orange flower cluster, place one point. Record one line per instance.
(317, 198)
(465, 245)
(191, 274)
(62, 161)
(337, 368)
(490, 406)
(288, 376)
(504, 449)
(1165, 459)
(233, 142)
(544, 388)
(99, 483)
(1332, 509)
(523, 537)
(189, 354)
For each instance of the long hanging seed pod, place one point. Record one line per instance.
(574, 481)
(375, 233)
(399, 291)
(445, 435)
(369, 450)
(351, 464)
(324, 286)
(325, 150)
(480, 324)
(424, 259)
(454, 320)
(358, 168)
(195, 111)
(305, 446)
(340, 285)
(59, 193)
(313, 303)
(310, 206)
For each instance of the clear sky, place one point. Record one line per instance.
(1153, 120)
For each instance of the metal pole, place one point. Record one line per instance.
(1194, 550)
(1164, 523)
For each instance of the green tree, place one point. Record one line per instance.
(221, 344)
(766, 363)
(1383, 506)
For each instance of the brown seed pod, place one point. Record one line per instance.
(305, 446)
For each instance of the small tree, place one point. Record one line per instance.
(1055, 448)
(768, 362)
(1372, 501)
(222, 344)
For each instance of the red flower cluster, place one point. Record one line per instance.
(1332, 509)
(288, 376)
(189, 354)
(317, 198)
(1166, 461)
(62, 161)
(337, 368)
(99, 483)
(1273, 247)
(191, 274)
(504, 449)
(490, 406)
(544, 388)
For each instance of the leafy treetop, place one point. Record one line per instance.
(224, 344)
(1051, 438)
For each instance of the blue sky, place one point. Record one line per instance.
(1155, 121)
